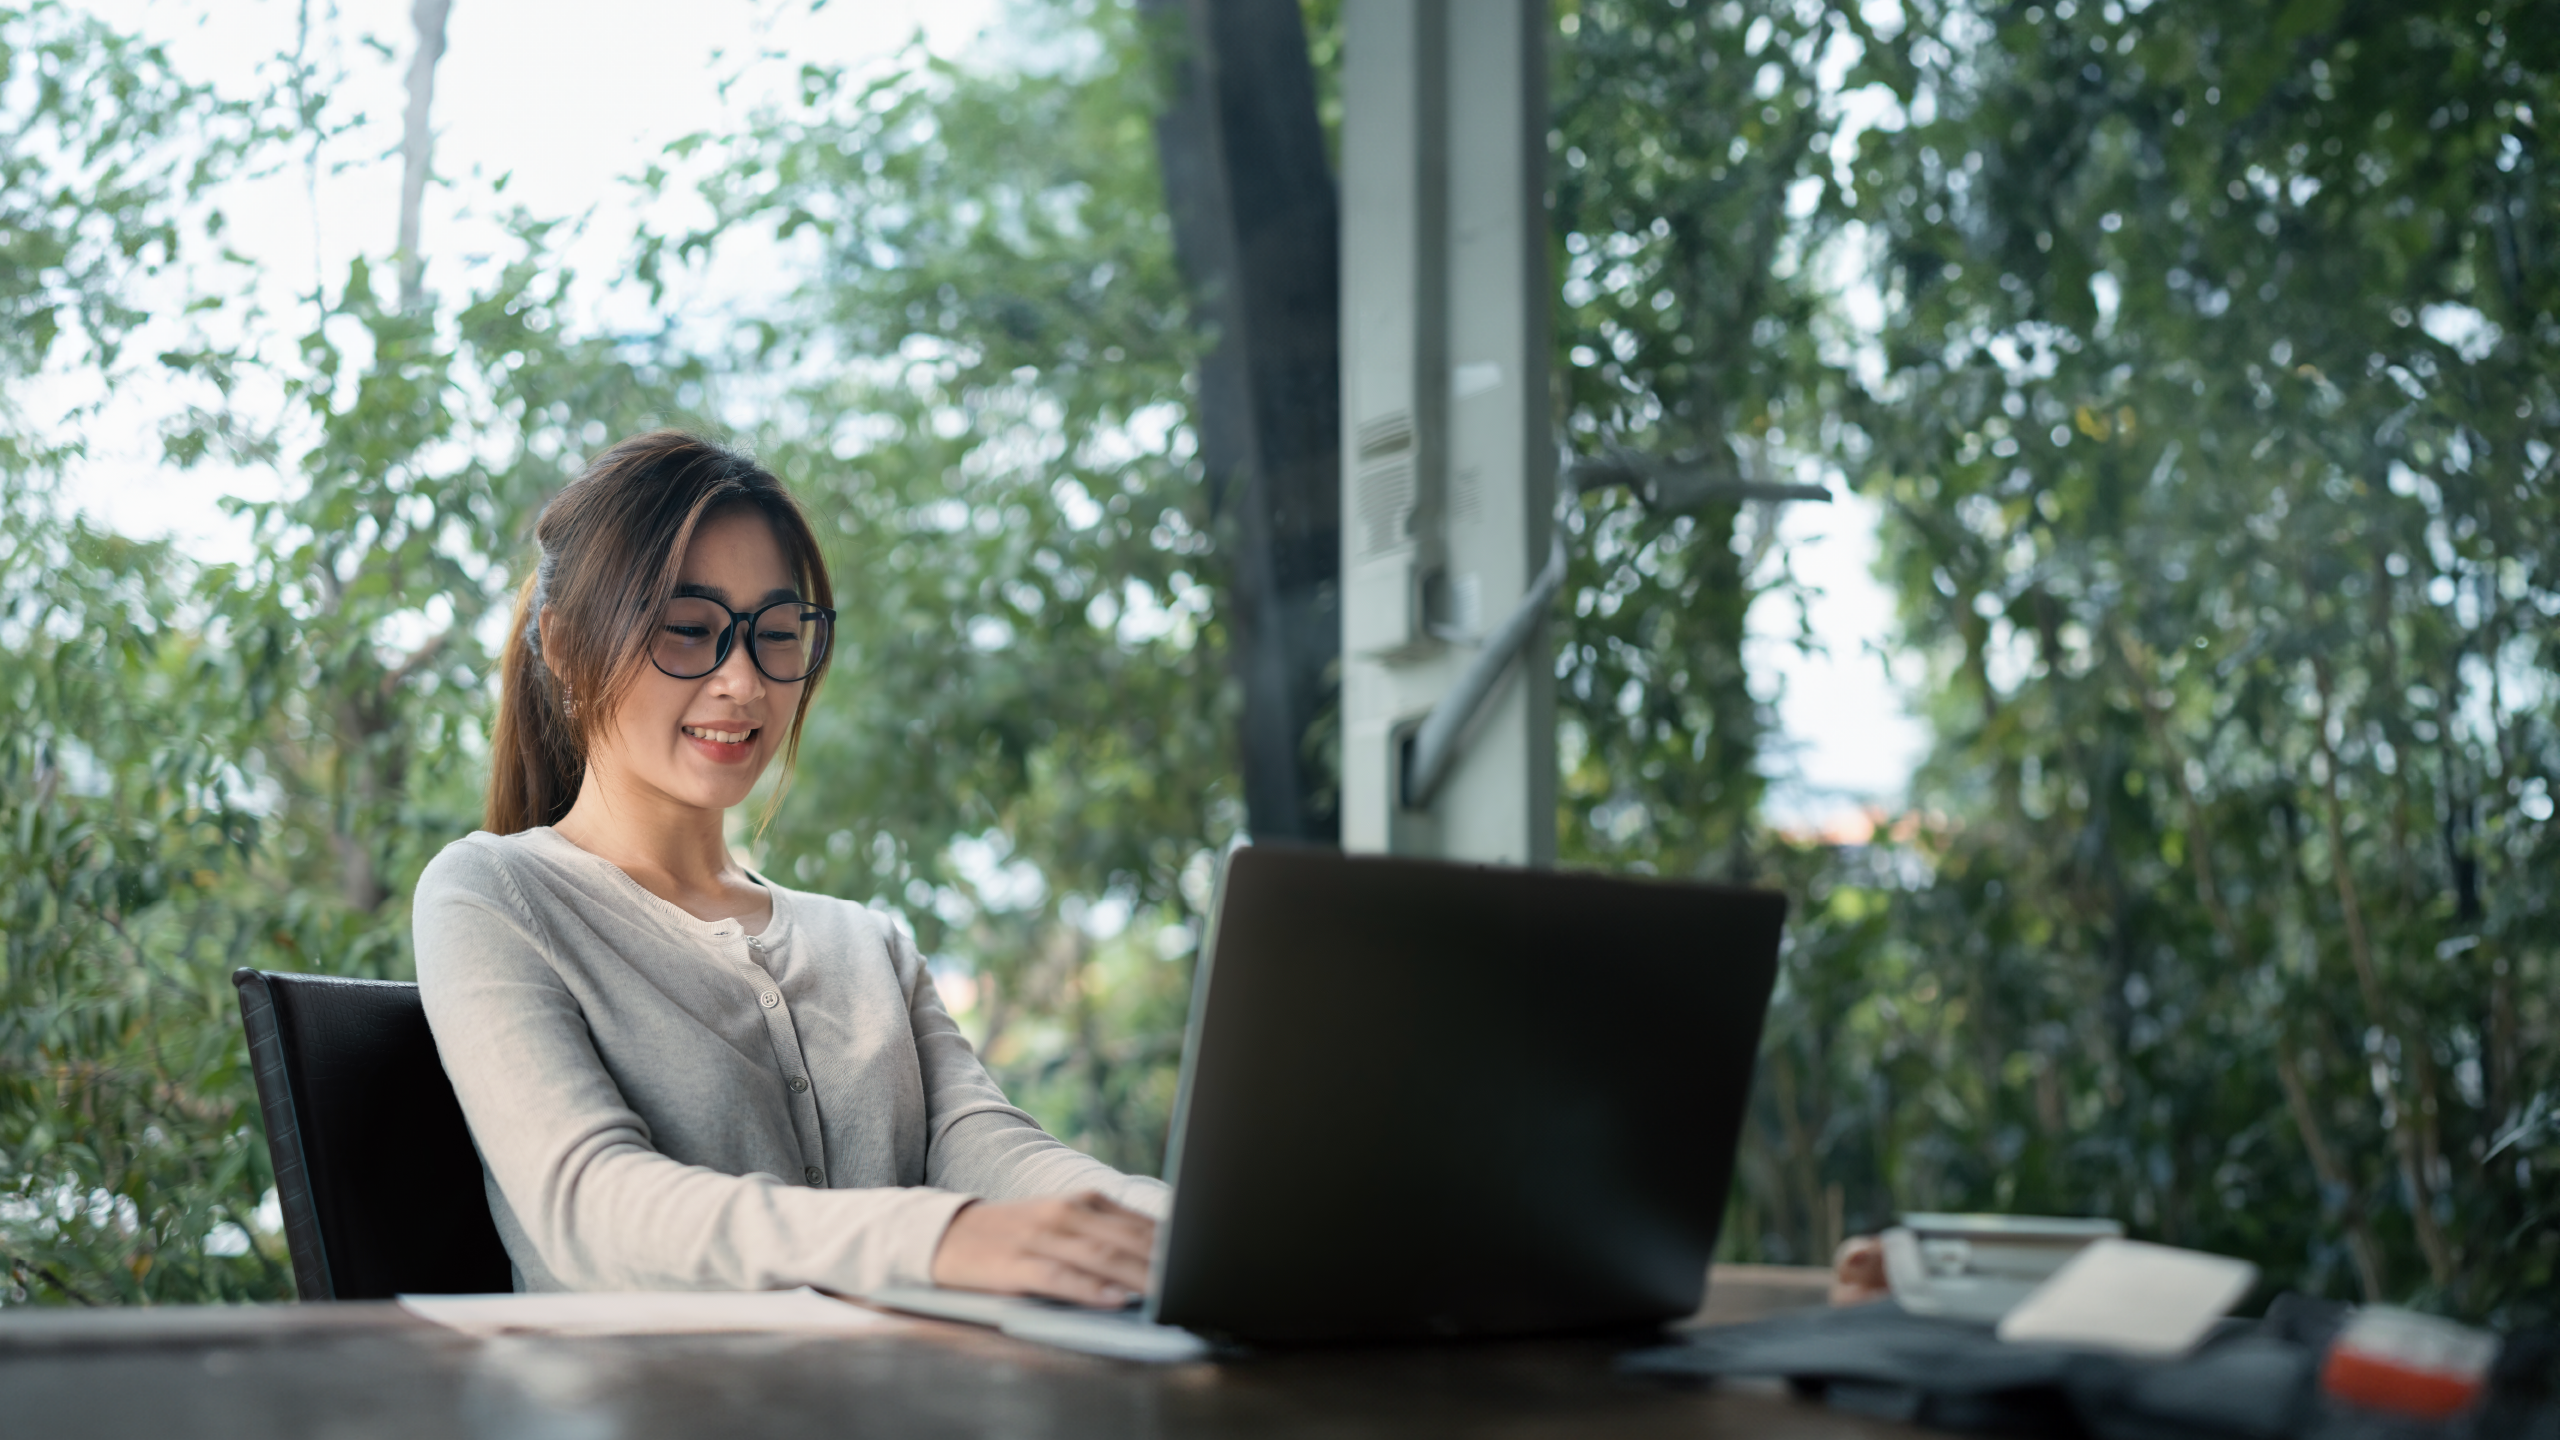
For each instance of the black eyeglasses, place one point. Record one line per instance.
(787, 639)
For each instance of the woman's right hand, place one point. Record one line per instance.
(1084, 1249)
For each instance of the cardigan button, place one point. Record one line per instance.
(799, 1084)
(815, 1176)
(768, 999)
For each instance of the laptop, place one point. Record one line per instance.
(1423, 1100)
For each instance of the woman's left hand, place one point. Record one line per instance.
(1085, 1249)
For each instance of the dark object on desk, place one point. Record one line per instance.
(2250, 1380)
(1880, 1360)
(380, 1186)
(1533, 1082)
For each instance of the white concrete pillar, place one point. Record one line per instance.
(1448, 431)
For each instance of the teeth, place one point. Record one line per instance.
(719, 737)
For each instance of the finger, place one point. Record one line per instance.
(1135, 1241)
(1100, 1209)
(1120, 1266)
(1105, 1250)
(1058, 1280)
(1093, 1214)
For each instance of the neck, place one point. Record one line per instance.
(673, 850)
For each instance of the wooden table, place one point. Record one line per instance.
(373, 1370)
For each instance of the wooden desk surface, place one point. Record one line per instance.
(374, 1370)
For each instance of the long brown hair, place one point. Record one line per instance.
(612, 544)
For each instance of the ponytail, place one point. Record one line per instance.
(536, 762)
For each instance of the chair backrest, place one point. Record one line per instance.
(379, 1183)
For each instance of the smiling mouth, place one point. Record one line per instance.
(719, 737)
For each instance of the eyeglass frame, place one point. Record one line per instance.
(729, 639)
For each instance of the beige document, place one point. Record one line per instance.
(651, 1312)
(2131, 1296)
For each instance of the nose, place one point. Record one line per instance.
(737, 678)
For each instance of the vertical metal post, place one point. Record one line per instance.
(1448, 457)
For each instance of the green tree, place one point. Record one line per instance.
(118, 803)
(2216, 431)
(211, 766)
(1688, 331)
(249, 764)
(2210, 406)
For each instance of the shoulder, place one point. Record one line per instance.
(477, 866)
(469, 920)
(477, 881)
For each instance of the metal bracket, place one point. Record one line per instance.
(1435, 747)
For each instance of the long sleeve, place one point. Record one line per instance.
(980, 1143)
(576, 1175)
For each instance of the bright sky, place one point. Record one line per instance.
(566, 97)
(562, 98)
(1852, 742)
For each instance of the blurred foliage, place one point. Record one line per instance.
(2199, 359)
(2215, 425)
(122, 1139)
(1687, 332)
(209, 766)
(2210, 403)
(101, 140)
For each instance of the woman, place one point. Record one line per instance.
(679, 1074)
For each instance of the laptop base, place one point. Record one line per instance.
(1118, 1334)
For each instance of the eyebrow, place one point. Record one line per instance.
(714, 592)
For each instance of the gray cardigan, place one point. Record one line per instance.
(662, 1102)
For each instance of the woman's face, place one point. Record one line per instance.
(702, 743)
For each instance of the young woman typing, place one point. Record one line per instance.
(679, 1074)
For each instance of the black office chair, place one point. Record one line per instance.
(380, 1186)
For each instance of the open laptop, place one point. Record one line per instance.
(1424, 1100)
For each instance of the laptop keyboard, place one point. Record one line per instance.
(1120, 1334)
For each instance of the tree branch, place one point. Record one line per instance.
(417, 143)
(2407, 1136)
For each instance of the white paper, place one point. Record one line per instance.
(2130, 1296)
(650, 1312)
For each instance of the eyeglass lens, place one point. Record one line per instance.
(785, 640)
